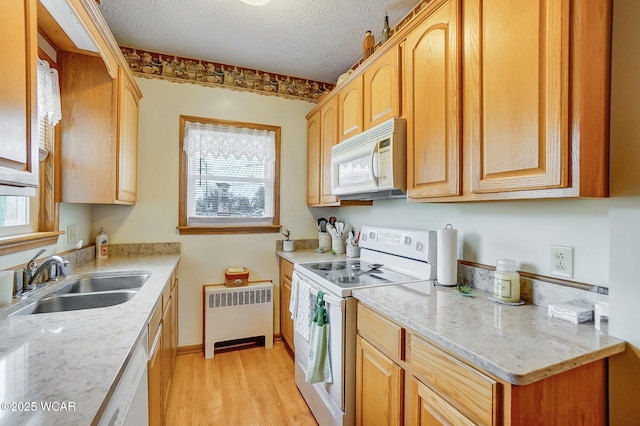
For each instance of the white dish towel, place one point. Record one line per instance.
(301, 306)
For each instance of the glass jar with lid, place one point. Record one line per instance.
(506, 281)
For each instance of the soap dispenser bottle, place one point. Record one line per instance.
(102, 245)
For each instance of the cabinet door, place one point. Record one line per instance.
(427, 408)
(378, 387)
(89, 124)
(381, 89)
(18, 127)
(166, 352)
(433, 105)
(350, 108)
(286, 323)
(516, 94)
(329, 137)
(127, 141)
(174, 327)
(314, 159)
(154, 370)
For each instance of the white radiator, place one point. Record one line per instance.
(232, 313)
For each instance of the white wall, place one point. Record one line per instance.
(522, 230)
(155, 216)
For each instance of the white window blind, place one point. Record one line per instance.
(231, 175)
(49, 107)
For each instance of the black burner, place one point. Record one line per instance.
(327, 266)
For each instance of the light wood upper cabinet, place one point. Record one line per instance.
(99, 133)
(98, 147)
(350, 109)
(519, 65)
(536, 109)
(322, 134)
(128, 112)
(18, 127)
(433, 105)
(328, 138)
(381, 94)
(314, 167)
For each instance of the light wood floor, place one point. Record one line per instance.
(251, 386)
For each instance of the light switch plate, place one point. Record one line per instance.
(72, 237)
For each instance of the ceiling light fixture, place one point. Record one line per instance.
(256, 2)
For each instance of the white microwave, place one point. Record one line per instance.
(372, 164)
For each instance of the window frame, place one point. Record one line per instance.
(183, 226)
(47, 231)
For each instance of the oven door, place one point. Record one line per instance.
(331, 403)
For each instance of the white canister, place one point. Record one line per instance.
(353, 251)
(506, 281)
(324, 240)
(337, 245)
(6, 287)
(288, 245)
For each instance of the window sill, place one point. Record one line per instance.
(194, 230)
(15, 243)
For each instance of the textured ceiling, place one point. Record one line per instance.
(311, 39)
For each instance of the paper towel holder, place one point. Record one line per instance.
(447, 258)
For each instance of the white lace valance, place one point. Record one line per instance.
(48, 93)
(222, 141)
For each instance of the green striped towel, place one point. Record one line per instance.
(319, 365)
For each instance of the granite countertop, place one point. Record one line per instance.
(74, 358)
(309, 255)
(520, 344)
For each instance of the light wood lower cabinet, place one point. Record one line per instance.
(427, 408)
(286, 323)
(163, 342)
(378, 387)
(154, 372)
(423, 384)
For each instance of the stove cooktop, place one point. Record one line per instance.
(356, 273)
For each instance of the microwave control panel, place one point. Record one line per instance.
(385, 164)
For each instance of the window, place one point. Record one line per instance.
(229, 176)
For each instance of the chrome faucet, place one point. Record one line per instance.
(54, 266)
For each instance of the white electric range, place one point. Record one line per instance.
(388, 256)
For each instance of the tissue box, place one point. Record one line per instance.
(574, 313)
(236, 276)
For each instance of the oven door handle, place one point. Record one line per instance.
(332, 300)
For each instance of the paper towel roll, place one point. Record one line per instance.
(447, 256)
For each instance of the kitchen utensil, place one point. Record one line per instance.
(331, 230)
(322, 224)
(332, 220)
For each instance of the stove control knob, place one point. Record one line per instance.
(372, 235)
(407, 241)
(419, 246)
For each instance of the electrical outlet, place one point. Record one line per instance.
(72, 237)
(562, 261)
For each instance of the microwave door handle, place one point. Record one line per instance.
(374, 163)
